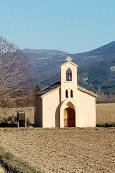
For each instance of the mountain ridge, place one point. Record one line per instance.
(94, 70)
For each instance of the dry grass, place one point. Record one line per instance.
(13, 164)
(105, 113)
(69, 150)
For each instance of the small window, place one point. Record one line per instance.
(71, 93)
(66, 93)
(68, 75)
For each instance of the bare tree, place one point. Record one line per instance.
(14, 71)
(6, 47)
(104, 98)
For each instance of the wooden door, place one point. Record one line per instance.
(69, 117)
(65, 118)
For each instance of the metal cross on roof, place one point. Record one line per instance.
(68, 59)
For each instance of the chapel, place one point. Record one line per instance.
(65, 103)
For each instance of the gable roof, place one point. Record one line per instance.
(58, 84)
(86, 91)
(69, 63)
(49, 88)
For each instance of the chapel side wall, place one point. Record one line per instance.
(87, 110)
(38, 112)
(51, 108)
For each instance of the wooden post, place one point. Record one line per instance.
(18, 124)
(25, 121)
(18, 120)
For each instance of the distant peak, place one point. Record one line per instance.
(42, 51)
(108, 48)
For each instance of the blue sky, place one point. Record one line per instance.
(69, 25)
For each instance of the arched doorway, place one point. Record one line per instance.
(69, 117)
(69, 103)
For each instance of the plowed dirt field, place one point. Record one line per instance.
(63, 150)
(68, 150)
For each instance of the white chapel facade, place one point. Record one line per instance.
(65, 103)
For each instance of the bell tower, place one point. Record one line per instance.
(68, 79)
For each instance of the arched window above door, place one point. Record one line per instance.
(68, 75)
(66, 93)
(71, 93)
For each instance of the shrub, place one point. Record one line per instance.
(9, 121)
(28, 122)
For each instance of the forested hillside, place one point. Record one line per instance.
(96, 70)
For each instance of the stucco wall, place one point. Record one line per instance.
(29, 112)
(50, 108)
(87, 110)
(68, 84)
(55, 101)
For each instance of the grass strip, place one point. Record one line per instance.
(105, 125)
(14, 165)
